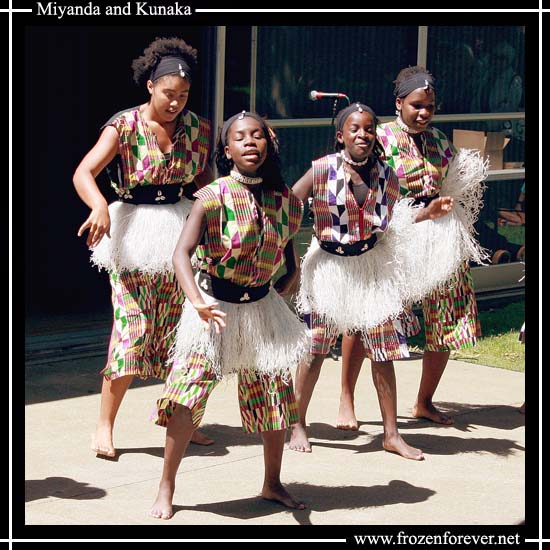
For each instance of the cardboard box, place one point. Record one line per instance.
(490, 144)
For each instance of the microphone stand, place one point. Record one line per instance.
(331, 137)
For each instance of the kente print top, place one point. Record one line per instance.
(420, 173)
(338, 217)
(140, 160)
(244, 240)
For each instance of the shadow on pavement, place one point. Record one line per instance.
(224, 437)
(432, 444)
(317, 498)
(65, 379)
(467, 416)
(60, 487)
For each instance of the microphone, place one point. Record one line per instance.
(314, 95)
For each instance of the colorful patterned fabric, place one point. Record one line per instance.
(338, 217)
(450, 317)
(386, 342)
(147, 307)
(140, 160)
(146, 311)
(265, 404)
(238, 247)
(420, 173)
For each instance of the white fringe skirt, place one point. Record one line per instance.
(263, 336)
(143, 237)
(408, 262)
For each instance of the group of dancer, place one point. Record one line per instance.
(193, 290)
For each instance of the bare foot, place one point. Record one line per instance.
(278, 493)
(396, 444)
(431, 413)
(298, 439)
(162, 508)
(346, 416)
(102, 443)
(522, 409)
(198, 438)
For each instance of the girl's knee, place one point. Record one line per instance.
(181, 412)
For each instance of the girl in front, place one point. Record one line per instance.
(234, 321)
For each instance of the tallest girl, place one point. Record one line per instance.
(420, 155)
(150, 152)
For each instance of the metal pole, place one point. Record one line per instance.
(422, 52)
(220, 83)
(253, 66)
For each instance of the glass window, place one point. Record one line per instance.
(478, 69)
(501, 223)
(299, 146)
(237, 71)
(360, 62)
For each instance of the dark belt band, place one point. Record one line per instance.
(425, 200)
(152, 194)
(355, 249)
(225, 290)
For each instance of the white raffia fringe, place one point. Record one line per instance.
(444, 244)
(408, 262)
(465, 183)
(353, 292)
(263, 336)
(143, 237)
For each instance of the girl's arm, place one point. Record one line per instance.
(204, 178)
(286, 284)
(98, 222)
(188, 241)
(304, 186)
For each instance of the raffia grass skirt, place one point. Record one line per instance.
(143, 237)
(263, 336)
(409, 261)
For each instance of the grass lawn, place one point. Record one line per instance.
(513, 234)
(499, 345)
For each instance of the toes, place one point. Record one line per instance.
(161, 514)
(347, 427)
(441, 418)
(103, 452)
(300, 449)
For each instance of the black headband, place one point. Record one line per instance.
(171, 65)
(227, 124)
(353, 108)
(418, 80)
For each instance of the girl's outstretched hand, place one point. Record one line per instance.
(98, 224)
(436, 209)
(440, 207)
(208, 312)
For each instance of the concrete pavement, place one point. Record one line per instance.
(474, 472)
